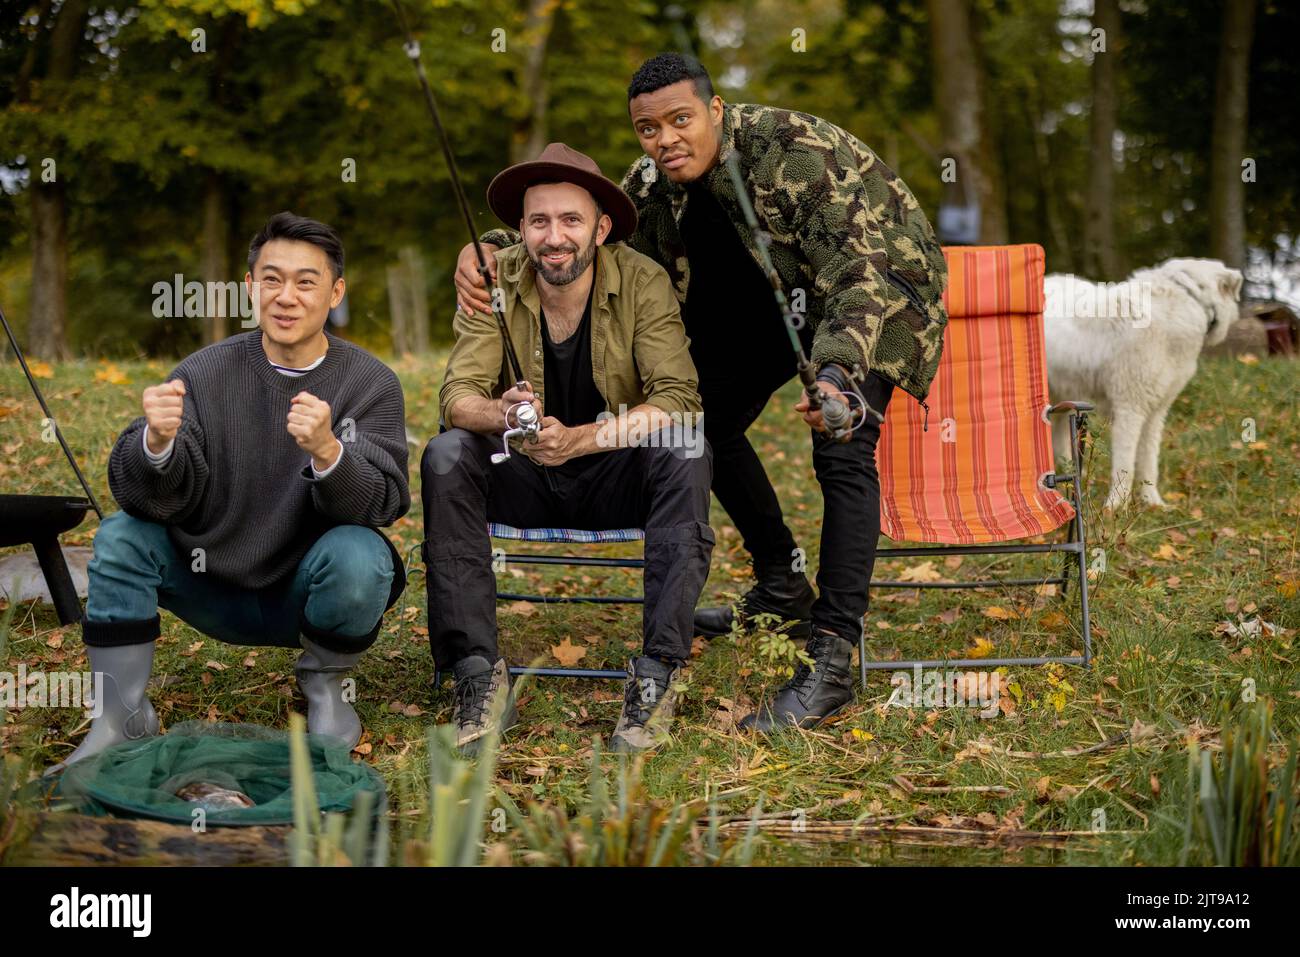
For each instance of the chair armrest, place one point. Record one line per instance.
(1076, 406)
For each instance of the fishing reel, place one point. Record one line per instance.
(842, 418)
(527, 426)
(837, 416)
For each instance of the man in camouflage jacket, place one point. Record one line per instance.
(858, 260)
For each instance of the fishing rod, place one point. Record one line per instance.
(837, 414)
(527, 425)
(49, 416)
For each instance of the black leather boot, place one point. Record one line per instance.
(778, 591)
(813, 694)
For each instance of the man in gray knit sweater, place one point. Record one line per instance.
(252, 488)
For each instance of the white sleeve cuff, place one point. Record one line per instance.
(333, 465)
(159, 459)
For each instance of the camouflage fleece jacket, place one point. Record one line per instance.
(844, 228)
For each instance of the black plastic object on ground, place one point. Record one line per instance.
(140, 778)
(40, 519)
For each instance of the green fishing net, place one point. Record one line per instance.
(142, 778)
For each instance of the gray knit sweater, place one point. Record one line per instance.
(238, 486)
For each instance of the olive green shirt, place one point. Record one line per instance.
(639, 350)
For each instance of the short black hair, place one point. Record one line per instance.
(286, 225)
(665, 69)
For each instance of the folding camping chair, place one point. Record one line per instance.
(984, 471)
(498, 531)
(570, 536)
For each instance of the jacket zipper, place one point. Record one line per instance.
(914, 298)
(907, 289)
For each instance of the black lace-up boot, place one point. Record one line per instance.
(812, 694)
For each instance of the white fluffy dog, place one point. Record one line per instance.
(1130, 348)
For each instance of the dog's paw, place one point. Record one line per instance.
(1150, 496)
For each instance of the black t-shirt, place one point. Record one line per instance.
(571, 393)
(730, 312)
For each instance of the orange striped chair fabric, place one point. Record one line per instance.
(976, 475)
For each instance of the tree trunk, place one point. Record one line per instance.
(531, 133)
(214, 257)
(408, 302)
(48, 318)
(398, 309)
(46, 332)
(1099, 258)
(1062, 257)
(1228, 147)
(214, 266)
(959, 91)
(418, 298)
(64, 39)
(22, 83)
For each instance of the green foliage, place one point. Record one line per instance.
(6, 620)
(331, 839)
(1169, 73)
(766, 647)
(15, 818)
(621, 824)
(179, 15)
(283, 92)
(624, 826)
(1241, 809)
(453, 817)
(12, 819)
(281, 96)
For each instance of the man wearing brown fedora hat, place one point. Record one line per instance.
(849, 241)
(609, 375)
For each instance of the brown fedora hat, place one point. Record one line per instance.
(560, 163)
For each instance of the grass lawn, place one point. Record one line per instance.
(1166, 669)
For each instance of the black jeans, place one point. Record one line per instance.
(661, 488)
(735, 387)
(850, 485)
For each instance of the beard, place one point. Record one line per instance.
(563, 275)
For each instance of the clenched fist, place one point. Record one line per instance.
(309, 424)
(163, 407)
